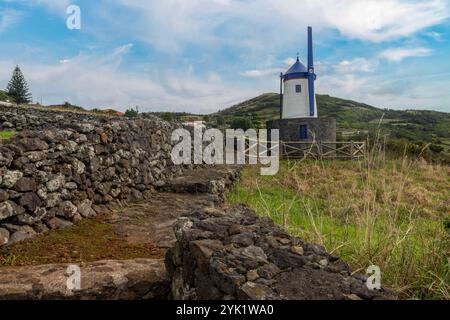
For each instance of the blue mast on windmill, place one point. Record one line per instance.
(298, 100)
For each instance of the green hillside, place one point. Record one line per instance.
(355, 120)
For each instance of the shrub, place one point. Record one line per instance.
(243, 123)
(131, 113)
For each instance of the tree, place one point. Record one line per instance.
(243, 123)
(220, 121)
(18, 88)
(132, 113)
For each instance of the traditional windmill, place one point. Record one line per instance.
(299, 119)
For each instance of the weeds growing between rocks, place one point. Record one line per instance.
(5, 135)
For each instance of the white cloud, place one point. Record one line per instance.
(213, 76)
(381, 20)
(356, 65)
(94, 80)
(344, 85)
(8, 17)
(259, 73)
(398, 54)
(264, 25)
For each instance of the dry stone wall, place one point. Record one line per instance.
(233, 254)
(71, 164)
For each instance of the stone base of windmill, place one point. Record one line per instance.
(306, 137)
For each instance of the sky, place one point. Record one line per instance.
(204, 55)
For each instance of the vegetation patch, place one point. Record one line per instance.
(393, 214)
(88, 240)
(4, 96)
(5, 135)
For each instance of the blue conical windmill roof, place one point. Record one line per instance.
(296, 71)
(297, 67)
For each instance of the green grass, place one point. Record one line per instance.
(4, 135)
(389, 213)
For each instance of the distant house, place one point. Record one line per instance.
(194, 123)
(5, 104)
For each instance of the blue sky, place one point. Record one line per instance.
(205, 55)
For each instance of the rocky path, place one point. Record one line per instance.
(146, 222)
(152, 221)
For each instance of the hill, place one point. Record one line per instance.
(355, 120)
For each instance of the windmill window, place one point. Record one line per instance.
(298, 88)
(303, 132)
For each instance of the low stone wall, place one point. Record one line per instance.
(101, 280)
(27, 118)
(234, 254)
(72, 163)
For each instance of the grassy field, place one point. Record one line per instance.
(391, 213)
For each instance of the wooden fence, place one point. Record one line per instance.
(322, 149)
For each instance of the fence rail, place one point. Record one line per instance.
(323, 149)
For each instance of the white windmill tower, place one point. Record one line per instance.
(299, 100)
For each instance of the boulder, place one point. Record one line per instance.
(85, 209)
(30, 201)
(52, 199)
(6, 210)
(4, 195)
(4, 236)
(79, 166)
(202, 250)
(33, 144)
(57, 223)
(25, 184)
(9, 178)
(67, 209)
(5, 159)
(256, 291)
(56, 183)
(23, 233)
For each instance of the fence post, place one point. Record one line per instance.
(352, 150)
(320, 149)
